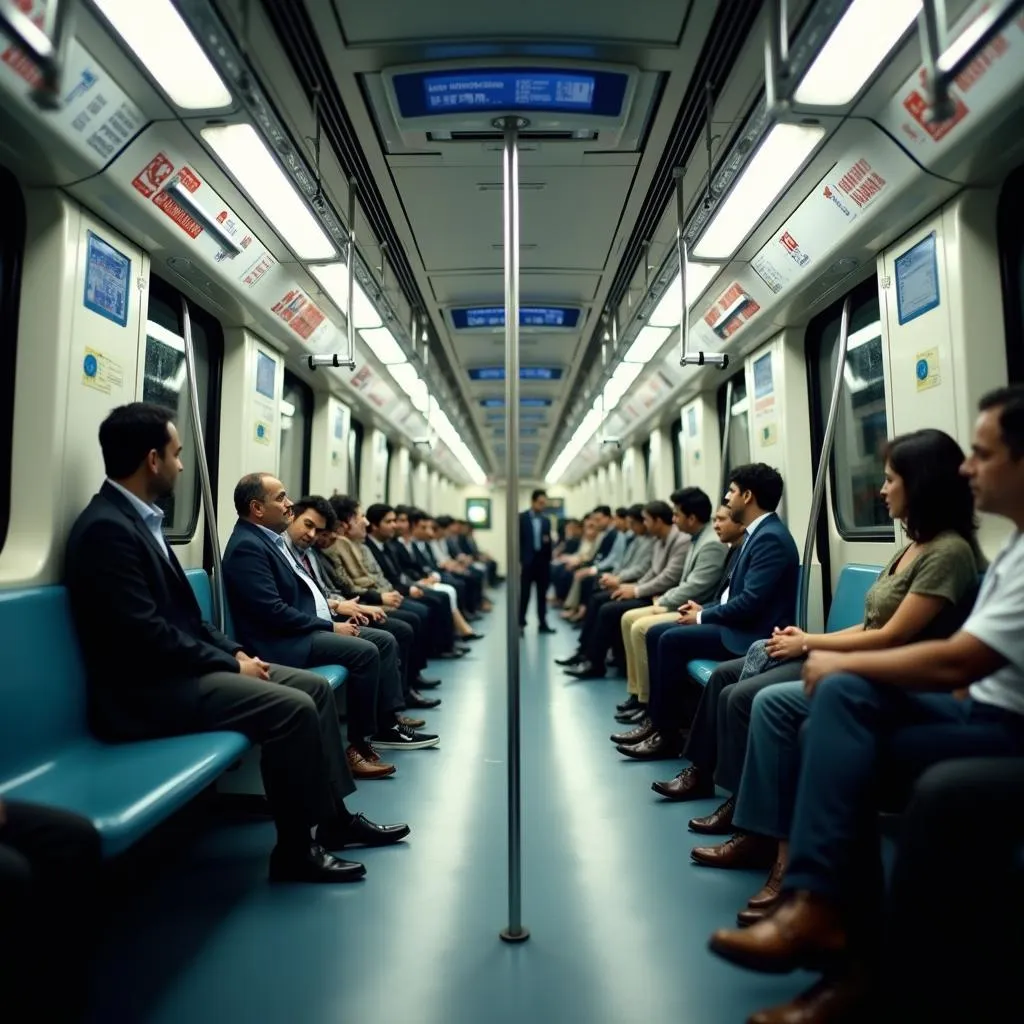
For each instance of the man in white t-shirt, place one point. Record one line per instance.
(909, 704)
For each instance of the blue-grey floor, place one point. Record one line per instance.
(619, 916)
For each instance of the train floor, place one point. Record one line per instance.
(619, 916)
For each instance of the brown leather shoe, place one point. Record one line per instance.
(411, 723)
(770, 893)
(637, 735)
(362, 767)
(804, 931)
(656, 747)
(748, 916)
(689, 784)
(740, 851)
(829, 1001)
(718, 822)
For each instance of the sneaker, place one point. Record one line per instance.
(401, 737)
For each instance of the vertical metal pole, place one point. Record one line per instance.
(683, 256)
(351, 327)
(818, 495)
(204, 470)
(514, 930)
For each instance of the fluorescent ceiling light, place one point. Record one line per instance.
(646, 345)
(620, 382)
(156, 33)
(246, 157)
(668, 312)
(382, 344)
(861, 41)
(333, 278)
(778, 158)
(408, 380)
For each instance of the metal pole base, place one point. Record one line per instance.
(521, 936)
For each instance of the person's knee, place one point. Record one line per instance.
(843, 688)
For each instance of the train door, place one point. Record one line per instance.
(295, 434)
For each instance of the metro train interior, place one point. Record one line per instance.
(775, 232)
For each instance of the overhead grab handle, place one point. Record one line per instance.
(44, 44)
(187, 201)
(346, 359)
(944, 63)
(686, 357)
(818, 495)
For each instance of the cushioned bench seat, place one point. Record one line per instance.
(847, 610)
(47, 754)
(202, 588)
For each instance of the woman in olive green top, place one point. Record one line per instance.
(925, 592)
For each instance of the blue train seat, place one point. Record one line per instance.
(47, 754)
(847, 610)
(202, 588)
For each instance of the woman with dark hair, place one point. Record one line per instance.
(925, 592)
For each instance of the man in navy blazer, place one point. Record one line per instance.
(535, 559)
(761, 594)
(155, 668)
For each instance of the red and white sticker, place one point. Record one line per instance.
(14, 58)
(299, 311)
(150, 181)
(151, 178)
(740, 308)
(861, 184)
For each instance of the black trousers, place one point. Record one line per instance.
(535, 574)
(49, 871)
(441, 629)
(416, 620)
(404, 636)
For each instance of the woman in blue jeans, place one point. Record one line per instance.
(923, 593)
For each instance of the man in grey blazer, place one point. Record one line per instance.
(668, 558)
(702, 574)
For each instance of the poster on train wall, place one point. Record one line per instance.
(996, 73)
(299, 312)
(95, 115)
(733, 308)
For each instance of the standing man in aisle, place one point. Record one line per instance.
(535, 559)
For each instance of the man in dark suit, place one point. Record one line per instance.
(280, 608)
(760, 596)
(156, 669)
(535, 559)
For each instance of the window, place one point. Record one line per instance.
(677, 459)
(355, 456)
(1011, 260)
(12, 247)
(295, 434)
(857, 465)
(166, 383)
(734, 425)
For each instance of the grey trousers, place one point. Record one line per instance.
(293, 719)
(721, 724)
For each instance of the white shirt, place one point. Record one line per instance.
(323, 610)
(151, 515)
(750, 530)
(996, 621)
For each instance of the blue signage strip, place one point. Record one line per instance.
(472, 90)
(108, 276)
(525, 373)
(470, 318)
(528, 403)
(917, 280)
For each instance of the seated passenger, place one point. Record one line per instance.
(134, 609)
(872, 710)
(761, 596)
(49, 871)
(711, 553)
(280, 609)
(924, 592)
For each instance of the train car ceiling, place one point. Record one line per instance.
(234, 137)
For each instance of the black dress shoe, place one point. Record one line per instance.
(573, 659)
(417, 700)
(628, 705)
(633, 716)
(586, 670)
(425, 684)
(461, 652)
(545, 628)
(360, 831)
(315, 864)
(470, 637)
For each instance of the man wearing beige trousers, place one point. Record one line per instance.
(705, 571)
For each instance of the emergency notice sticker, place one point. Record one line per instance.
(299, 311)
(150, 181)
(732, 310)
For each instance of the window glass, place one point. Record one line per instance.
(165, 383)
(12, 245)
(736, 421)
(295, 434)
(857, 466)
(355, 456)
(1011, 259)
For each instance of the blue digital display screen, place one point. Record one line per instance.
(527, 403)
(525, 373)
(430, 93)
(476, 317)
